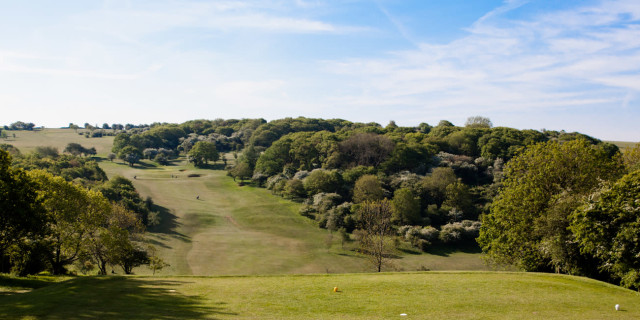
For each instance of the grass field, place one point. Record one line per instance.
(233, 230)
(430, 295)
(624, 145)
(27, 141)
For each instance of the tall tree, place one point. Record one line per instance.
(73, 212)
(21, 214)
(608, 225)
(528, 222)
(202, 152)
(375, 230)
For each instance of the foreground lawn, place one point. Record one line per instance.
(431, 295)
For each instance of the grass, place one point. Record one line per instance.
(624, 145)
(233, 230)
(27, 141)
(421, 295)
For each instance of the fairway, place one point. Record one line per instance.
(212, 226)
(430, 295)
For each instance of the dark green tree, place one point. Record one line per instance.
(202, 152)
(367, 188)
(406, 207)
(22, 216)
(529, 220)
(608, 225)
(130, 155)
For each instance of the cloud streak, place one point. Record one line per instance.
(576, 59)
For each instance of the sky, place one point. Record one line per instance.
(538, 64)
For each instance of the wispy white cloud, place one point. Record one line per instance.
(586, 57)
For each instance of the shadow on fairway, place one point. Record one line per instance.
(445, 250)
(19, 284)
(111, 298)
(168, 223)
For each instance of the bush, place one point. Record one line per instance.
(460, 231)
(294, 189)
(271, 182)
(421, 238)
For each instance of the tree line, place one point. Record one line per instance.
(441, 179)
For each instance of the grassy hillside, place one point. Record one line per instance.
(232, 230)
(447, 295)
(27, 141)
(624, 145)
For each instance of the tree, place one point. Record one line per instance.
(73, 212)
(478, 122)
(202, 152)
(631, 158)
(121, 190)
(111, 156)
(75, 149)
(375, 229)
(608, 225)
(367, 188)
(434, 186)
(529, 219)
(406, 207)
(367, 149)
(116, 241)
(21, 214)
(320, 180)
(130, 154)
(155, 262)
(241, 170)
(51, 152)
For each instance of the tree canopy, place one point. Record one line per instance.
(607, 226)
(528, 222)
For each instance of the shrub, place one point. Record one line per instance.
(271, 182)
(460, 231)
(294, 189)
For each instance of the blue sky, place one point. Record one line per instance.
(572, 65)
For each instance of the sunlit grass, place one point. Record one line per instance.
(429, 295)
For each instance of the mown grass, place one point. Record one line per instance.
(234, 230)
(423, 295)
(27, 141)
(624, 145)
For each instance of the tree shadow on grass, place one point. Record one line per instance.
(446, 250)
(168, 223)
(16, 285)
(111, 298)
(212, 166)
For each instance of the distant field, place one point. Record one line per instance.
(27, 141)
(430, 295)
(624, 144)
